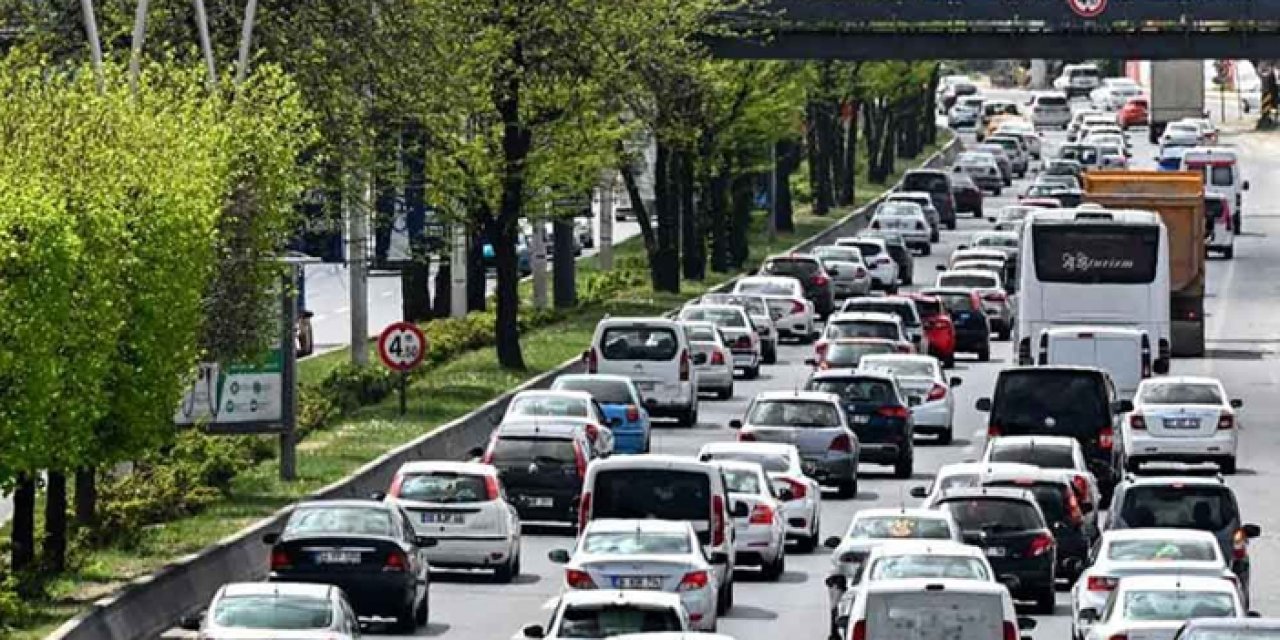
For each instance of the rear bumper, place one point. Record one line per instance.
(1034, 575)
(714, 379)
(471, 551)
(934, 415)
(832, 470)
(972, 340)
(798, 516)
(746, 359)
(630, 441)
(1181, 449)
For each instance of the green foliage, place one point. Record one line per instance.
(14, 609)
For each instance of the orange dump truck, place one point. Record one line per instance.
(1178, 197)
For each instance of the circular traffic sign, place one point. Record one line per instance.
(1087, 8)
(402, 346)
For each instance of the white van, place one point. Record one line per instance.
(668, 487)
(935, 609)
(1221, 175)
(1123, 352)
(655, 354)
(1220, 225)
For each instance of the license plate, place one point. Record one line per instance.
(441, 517)
(996, 552)
(637, 582)
(1182, 423)
(742, 359)
(538, 501)
(338, 557)
(859, 419)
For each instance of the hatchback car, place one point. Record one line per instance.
(1073, 530)
(927, 390)
(807, 269)
(816, 424)
(712, 357)
(990, 288)
(650, 555)
(983, 168)
(875, 253)
(367, 548)
(1010, 166)
(793, 313)
(968, 320)
(866, 324)
(757, 308)
(1182, 419)
(967, 194)
(737, 330)
(463, 507)
(876, 407)
(908, 220)
(621, 402)
(1133, 113)
(847, 353)
(1156, 607)
(846, 268)
(276, 610)
(608, 613)
(760, 534)
(801, 495)
(965, 608)
(541, 465)
(904, 307)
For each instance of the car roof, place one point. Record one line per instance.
(1004, 493)
(739, 465)
(305, 589)
(1158, 533)
(922, 195)
(553, 393)
(557, 427)
(638, 321)
(969, 272)
(861, 238)
(1232, 623)
(749, 447)
(879, 300)
(849, 372)
(934, 291)
(921, 585)
(807, 257)
(863, 316)
(1177, 583)
(645, 525)
(770, 279)
(818, 396)
(448, 466)
(899, 547)
(651, 461)
(1169, 481)
(1034, 474)
(1035, 441)
(1183, 380)
(715, 307)
(955, 468)
(910, 512)
(600, 597)
(343, 502)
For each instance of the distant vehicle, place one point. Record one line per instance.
(875, 253)
(1061, 453)
(937, 183)
(1125, 353)
(928, 391)
(848, 272)
(1133, 113)
(964, 114)
(815, 422)
(877, 409)
(1220, 229)
(566, 408)
(1177, 91)
(907, 219)
(1050, 110)
(808, 270)
(847, 353)
(760, 534)
(957, 475)
(793, 313)
(622, 404)
(541, 465)
(982, 169)
(1221, 171)
(926, 205)
(738, 331)
(903, 307)
(1078, 80)
(757, 307)
(967, 193)
(938, 328)
(711, 357)
(1250, 628)
(990, 287)
(968, 319)
(1074, 531)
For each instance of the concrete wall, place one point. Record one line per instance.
(149, 606)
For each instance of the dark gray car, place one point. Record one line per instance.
(816, 424)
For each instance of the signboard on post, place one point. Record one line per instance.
(401, 347)
(237, 397)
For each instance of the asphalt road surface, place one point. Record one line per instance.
(1243, 332)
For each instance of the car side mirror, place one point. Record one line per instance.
(424, 542)
(991, 219)
(586, 355)
(377, 495)
(1088, 615)
(1236, 403)
(533, 631)
(919, 492)
(719, 557)
(558, 556)
(1123, 406)
(740, 510)
(837, 582)
(955, 382)
(983, 405)
(699, 358)
(735, 424)
(1026, 624)
(832, 542)
(1245, 185)
(190, 623)
(1252, 530)
(813, 362)
(475, 452)
(270, 538)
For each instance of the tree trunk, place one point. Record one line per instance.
(443, 305)
(643, 217)
(54, 548)
(742, 200)
(564, 282)
(875, 130)
(824, 191)
(716, 204)
(811, 147)
(517, 139)
(384, 203)
(477, 274)
(667, 267)
(415, 280)
(86, 497)
(692, 226)
(849, 160)
(887, 148)
(787, 155)
(501, 232)
(22, 538)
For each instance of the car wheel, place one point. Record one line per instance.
(927, 249)
(1228, 253)
(806, 544)
(903, 467)
(1131, 465)
(722, 599)
(945, 437)
(1228, 466)
(847, 489)
(775, 569)
(422, 613)
(1046, 600)
(934, 236)
(507, 572)
(984, 355)
(647, 445)
(406, 619)
(753, 373)
(688, 417)
(1003, 333)
(951, 224)
(977, 213)
(770, 355)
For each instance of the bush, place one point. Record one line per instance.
(13, 607)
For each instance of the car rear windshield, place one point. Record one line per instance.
(920, 181)
(1051, 402)
(774, 463)
(928, 566)
(901, 527)
(1180, 393)
(723, 317)
(658, 344)
(930, 308)
(766, 287)
(849, 354)
(794, 413)
(842, 254)
(790, 267)
(873, 390)
(273, 612)
(664, 494)
(515, 449)
(606, 621)
(957, 301)
(702, 334)
(1048, 495)
(742, 481)
(866, 248)
(753, 304)
(548, 406)
(604, 391)
(994, 514)
(1051, 101)
(1161, 549)
(636, 542)
(966, 280)
(903, 310)
(1208, 508)
(443, 487)
(337, 520)
(1171, 604)
(1083, 72)
(863, 329)
(1043, 456)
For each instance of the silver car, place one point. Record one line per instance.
(816, 424)
(1003, 160)
(849, 273)
(983, 169)
(711, 358)
(990, 288)
(928, 392)
(793, 313)
(277, 611)
(737, 331)
(926, 203)
(757, 308)
(906, 219)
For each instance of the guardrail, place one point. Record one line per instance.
(147, 607)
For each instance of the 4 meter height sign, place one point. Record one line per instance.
(401, 347)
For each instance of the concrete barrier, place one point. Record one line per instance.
(147, 607)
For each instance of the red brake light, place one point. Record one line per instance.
(584, 510)
(633, 413)
(761, 514)
(746, 436)
(820, 349)
(717, 520)
(717, 358)
(280, 559)
(578, 579)
(938, 392)
(491, 489)
(684, 366)
(797, 306)
(798, 489)
(396, 561)
(1119, 636)
(860, 272)
(893, 412)
(859, 630)
(1010, 631)
(1102, 583)
(593, 432)
(841, 443)
(1137, 422)
(580, 460)
(1073, 508)
(394, 491)
(1081, 485)
(1040, 545)
(693, 581)
(1226, 421)
(820, 280)
(994, 430)
(1106, 438)
(593, 361)
(1239, 545)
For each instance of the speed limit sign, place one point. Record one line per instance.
(402, 346)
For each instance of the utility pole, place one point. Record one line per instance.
(246, 40)
(135, 48)
(91, 32)
(458, 272)
(358, 273)
(604, 252)
(538, 261)
(202, 26)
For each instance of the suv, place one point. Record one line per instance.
(1078, 80)
(937, 183)
(1207, 504)
(541, 465)
(655, 353)
(1080, 402)
(1009, 526)
(1050, 110)
(876, 407)
(808, 270)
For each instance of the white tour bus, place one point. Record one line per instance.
(1090, 266)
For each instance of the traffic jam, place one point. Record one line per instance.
(963, 420)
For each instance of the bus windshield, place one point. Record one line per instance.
(1096, 254)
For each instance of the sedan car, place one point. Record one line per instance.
(622, 405)
(1182, 419)
(760, 535)
(1006, 242)
(903, 307)
(736, 329)
(802, 508)
(983, 168)
(875, 254)
(876, 407)
(793, 314)
(968, 319)
(816, 424)
(1181, 134)
(907, 219)
(1133, 113)
(928, 392)
(925, 200)
(1155, 607)
(271, 610)
(711, 357)
(807, 269)
(567, 407)
(1012, 217)
(610, 613)
(461, 505)
(648, 555)
(1009, 166)
(367, 548)
(847, 269)
(1143, 552)
(757, 308)
(865, 324)
(1250, 628)
(847, 353)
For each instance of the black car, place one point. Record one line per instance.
(808, 270)
(1063, 513)
(878, 414)
(1079, 402)
(1009, 526)
(367, 548)
(542, 465)
(938, 185)
(973, 329)
(966, 193)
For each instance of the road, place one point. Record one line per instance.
(1244, 333)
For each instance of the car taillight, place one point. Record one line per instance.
(859, 630)
(860, 272)
(584, 510)
(938, 392)
(1106, 438)
(1010, 631)
(1074, 514)
(693, 581)
(717, 520)
(1102, 583)
(1081, 485)
(744, 342)
(1118, 636)
(593, 432)
(1239, 545)
(994, 296)
(396, 561)
(593, 361)
(491, 488)
(394, 491)
(280, 560)
(893, 412)
(797, 306)
(633, 413)
(578, 579)
(580, 460)
(684, 366)
(994, 430)
(798, 489)
(1040, 545)
(820, 280)
(841, 443)
(761, 514)
(717, 358)
(1137, 422)
(746, 436)
(1226, 421)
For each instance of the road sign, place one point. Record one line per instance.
(240, 394)
(402, 346)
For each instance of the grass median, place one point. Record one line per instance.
(438, 396)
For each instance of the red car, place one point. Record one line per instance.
(967, 195)
(1133, 113)
(938, 326)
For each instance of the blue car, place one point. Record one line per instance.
(1170, 158)
(620, 399)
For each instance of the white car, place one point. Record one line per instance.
(1181, 134)
(966, 609)
(1208, 130)
(760, 534)
(849, 274)
(793, 313)
(1028, 132)
(1006, 242)
(1143, 552)
(598, 614)
(1061, 453)
(1050, 109)
(1155, 607)
(925, 201)
(1114, 92)
(1184, 419)
(757, 309)
(277, 611)
(738, 332)
(983, 169)
(1012, 217)
(653, 352)
(576, 407)
(875, 253)
(865, 324)
(462, 506)
(927, 390)
(803, 511)
(711, 357)
(1078, 79)
(958, 475)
